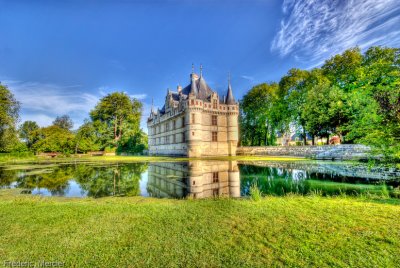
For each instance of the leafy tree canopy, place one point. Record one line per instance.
(9, 115)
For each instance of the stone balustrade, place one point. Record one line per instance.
(323, 152)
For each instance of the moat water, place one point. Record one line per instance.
(199, 179)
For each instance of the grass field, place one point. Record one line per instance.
(291, 231)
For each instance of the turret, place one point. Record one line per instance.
(229, 95)
(232, 121)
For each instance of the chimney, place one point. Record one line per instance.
(179, 88)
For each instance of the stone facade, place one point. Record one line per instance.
(194, 179)
(195, 122)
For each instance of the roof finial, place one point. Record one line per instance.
(152, 106)
(229, 77)
(192, 68)
(201, 70)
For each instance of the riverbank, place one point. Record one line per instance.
(137, 231)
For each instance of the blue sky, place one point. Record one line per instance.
(61, 57)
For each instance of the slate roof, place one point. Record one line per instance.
(200, 88)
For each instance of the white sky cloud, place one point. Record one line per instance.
(42, 102)
(314, 30)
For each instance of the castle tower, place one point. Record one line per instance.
(194, 120)
(232, 121)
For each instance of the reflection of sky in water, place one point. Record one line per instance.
(73, 190)
(143, 183)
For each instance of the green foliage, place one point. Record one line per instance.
(87, 138)
(259, 119)
(53, 139)
(26, 131)
(135, 144)
(353, 95)
(9, 115)
(255, 193)
(117, 121)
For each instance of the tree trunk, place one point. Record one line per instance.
(304, 136)
(313, 139)
(327, 139)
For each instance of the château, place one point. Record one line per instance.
(195, 121)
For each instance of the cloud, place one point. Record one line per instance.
(43, 102)
(313, 30)
(138, 96)
(246, 77)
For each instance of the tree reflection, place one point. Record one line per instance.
(93, 180)
(114, 180)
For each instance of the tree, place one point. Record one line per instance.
(26, 131)
(258, 119)
(293, 92)
(9, 115)
(344, 70)
(87, 138)
(53, 139)
(118, 115)
(64, 122)
(135, 144)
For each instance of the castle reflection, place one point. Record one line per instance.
(195, 179)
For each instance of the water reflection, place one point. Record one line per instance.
(75, 180)
(199, 179)
(195, 179)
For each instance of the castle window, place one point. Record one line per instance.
(167, 139)
(159, 140)
(183, 121)
(174, 124)
(193, 133)
(192, 102)
(215, 177)
(183, 137)
(167, 126)
(214, 120)
(174, 137)
(214, 136)
(193, 119)
(215, 104)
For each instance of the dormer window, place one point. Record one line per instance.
(215, 104)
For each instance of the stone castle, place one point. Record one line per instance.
(195, 121)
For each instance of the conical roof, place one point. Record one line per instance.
(229, 96)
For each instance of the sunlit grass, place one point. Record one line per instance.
(291, 231)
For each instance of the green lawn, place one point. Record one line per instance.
(290, 231)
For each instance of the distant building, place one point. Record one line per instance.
(195, 121)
